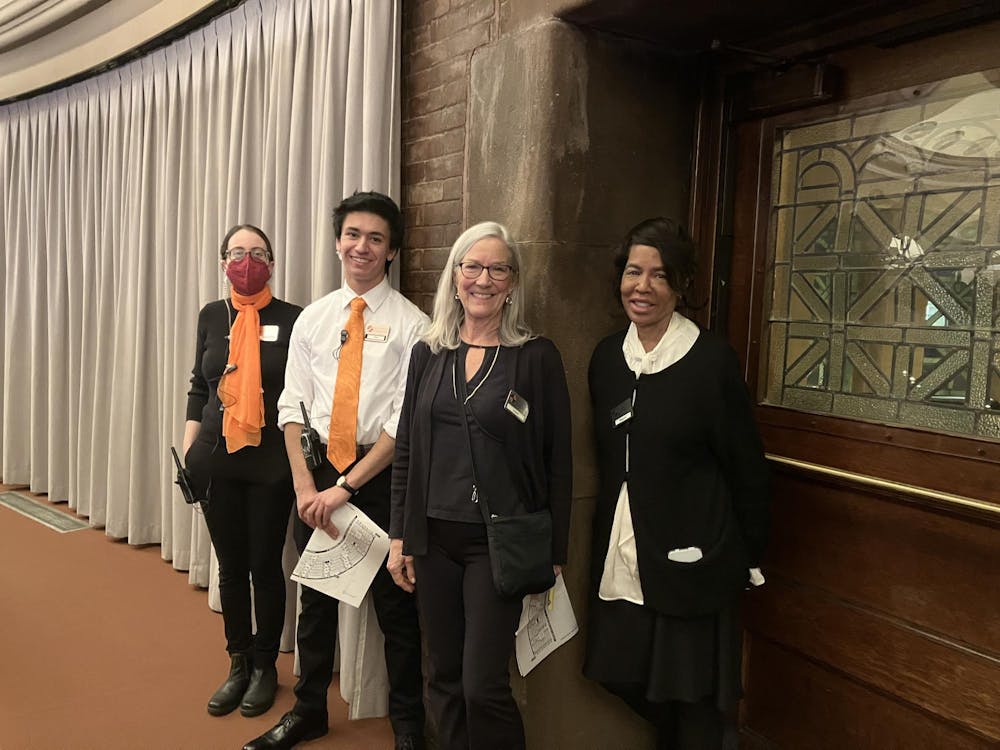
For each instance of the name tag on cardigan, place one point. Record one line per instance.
(622, 413)
(517, 406)
(269, 333)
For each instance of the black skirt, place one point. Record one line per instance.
(667, 658)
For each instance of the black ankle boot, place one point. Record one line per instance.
(260, 694)
(230, 693)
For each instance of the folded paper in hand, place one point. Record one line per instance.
(343, 568)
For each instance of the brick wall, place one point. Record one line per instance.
(438, 39)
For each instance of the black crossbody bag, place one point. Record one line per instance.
(520, 545)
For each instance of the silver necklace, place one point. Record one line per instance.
(454, 376)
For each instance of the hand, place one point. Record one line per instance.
(400, 566)
(304, 502)
(191, 430)
(326, 503)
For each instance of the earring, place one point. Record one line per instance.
(456, 295)
(509, 301)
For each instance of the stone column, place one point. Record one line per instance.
(573, 137)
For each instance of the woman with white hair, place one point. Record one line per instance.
(486, 414)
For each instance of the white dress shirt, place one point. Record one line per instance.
(393, 325)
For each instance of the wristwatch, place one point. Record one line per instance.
(342, 482)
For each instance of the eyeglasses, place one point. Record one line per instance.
(498, 271)
(239, 253)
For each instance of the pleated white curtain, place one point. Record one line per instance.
(116, 192)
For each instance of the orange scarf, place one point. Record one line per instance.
(240, 389)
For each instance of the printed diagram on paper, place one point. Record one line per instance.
(547, 622)
(343, 568)
(343, 554)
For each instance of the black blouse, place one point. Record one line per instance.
(208, 456)
(451, 477)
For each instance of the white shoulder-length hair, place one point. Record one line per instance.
(448, 312)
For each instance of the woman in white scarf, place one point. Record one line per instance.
(683, 512)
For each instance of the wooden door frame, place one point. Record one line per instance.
(732, 168)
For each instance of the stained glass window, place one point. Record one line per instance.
(885, 222)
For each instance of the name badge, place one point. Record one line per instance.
(269, 333)
(376, 333)
(517, 406)
(622, 413)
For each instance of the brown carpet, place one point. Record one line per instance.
(104, 646)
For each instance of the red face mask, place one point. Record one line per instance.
(248, 275)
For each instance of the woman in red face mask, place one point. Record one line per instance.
(236, 459)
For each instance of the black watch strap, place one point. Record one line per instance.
(342, 482)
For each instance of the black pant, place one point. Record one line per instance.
(395, 609)
(247, 523)
(470, 637)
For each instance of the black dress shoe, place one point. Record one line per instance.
(259, 696)
(410, 742)
(230, 693)
(291, 730)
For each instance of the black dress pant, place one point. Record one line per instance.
(247, 522)
(395, 610)
(470, 638)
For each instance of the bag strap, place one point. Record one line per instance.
(461, 394)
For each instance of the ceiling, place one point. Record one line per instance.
(50, 42)
(780, 27)
(47, 42)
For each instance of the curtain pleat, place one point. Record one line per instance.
(5, 179)
(38, 185)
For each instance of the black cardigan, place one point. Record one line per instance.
(698, 476)
(207, 456)
(539, 451)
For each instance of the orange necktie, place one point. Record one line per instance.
(342, 446)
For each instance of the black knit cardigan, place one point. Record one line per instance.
(697, 473)
(539, 451)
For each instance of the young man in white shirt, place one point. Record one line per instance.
(369, 230)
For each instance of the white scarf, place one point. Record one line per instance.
(675, 342)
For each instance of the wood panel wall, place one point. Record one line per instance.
(879, 626)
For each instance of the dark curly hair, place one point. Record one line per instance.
(677, 253)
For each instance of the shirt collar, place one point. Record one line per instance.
(373, 298)
(676, 341)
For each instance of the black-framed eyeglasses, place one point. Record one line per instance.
(497, 271)
(239, 253)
